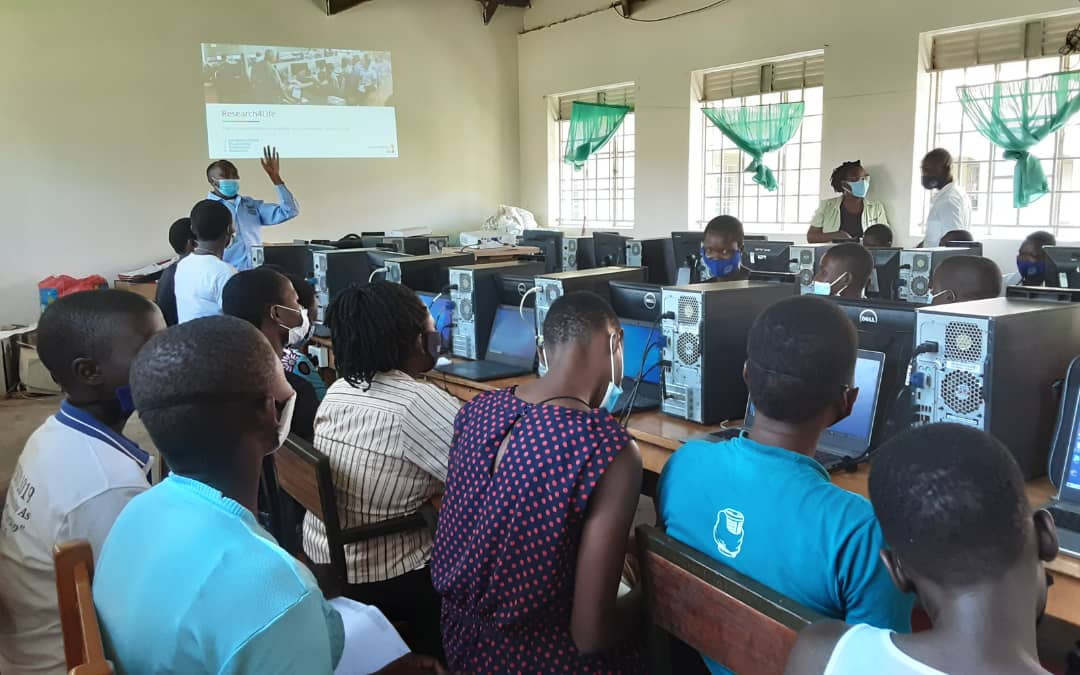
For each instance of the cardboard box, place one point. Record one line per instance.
(146, 289)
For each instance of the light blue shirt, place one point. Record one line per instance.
(774, 516)
(188, 582)
(250, 216)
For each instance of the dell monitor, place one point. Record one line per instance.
(635, 300)
(550, 243)
(1063, 269)
(767, 256)
(609, 249)
(511, 288)
(885, 275)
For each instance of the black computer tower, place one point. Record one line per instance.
(706, 346)
(428, 273)
(657, 256)
(994, 368)
(337, 269)
(293, 258)
(550, 287)
(475, 300)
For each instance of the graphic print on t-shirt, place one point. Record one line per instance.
(728, 532)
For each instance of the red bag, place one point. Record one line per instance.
(51, 288)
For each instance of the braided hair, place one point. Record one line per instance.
(374, 329)
(839, 174)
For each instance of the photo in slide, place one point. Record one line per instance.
(308, 102)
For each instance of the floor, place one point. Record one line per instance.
(19, 417)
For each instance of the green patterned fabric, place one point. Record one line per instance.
(591, 126)
(757, 130)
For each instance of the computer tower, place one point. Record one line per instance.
(294, 258)
(579, 253)
(993, 366)
(917, 266)
(804, 261)
(418, 245)
(430, 273)
(657, 256)
(767, 256)
(705, 327)
(475, 300)
(609, 248)
(337, 269)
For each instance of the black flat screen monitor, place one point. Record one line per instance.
(885, 275)
(632, 300)
(687, 247)
(550, 243)
(609, 249)
(1063, 270)
(767, 256)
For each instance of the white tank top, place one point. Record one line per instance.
(865, 649)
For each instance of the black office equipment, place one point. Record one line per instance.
(994, 368)
(917, 267)
(513, 287)
(643, 343)
(293, 258)
(786, 278)
(554, 246)
(686, 247)
(1043, 293)
(767, 256)
(1063, 266)
(805, 259)
(1068, 424)
(552, 286)
(585, 258)
(336, 270)
(973, 247)
(883, 280)
(756, 237)
(426, 272)
(474, 290)
(511, 348)
(634, 300)
(609, 249)
(655, 255)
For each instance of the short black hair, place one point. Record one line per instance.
(882, 233)
(726, 226)
(180, 235)
(940, 156)
(85, 325)
(839, 174)
(969, 277)
(210, 220)
(576, 317)
(853, 258)
(250, 294)
(304, 290)
(374, 328)
(800, 355)
(951, 503)
(955, 235)
(218, 164)
(192, 383)
(1041, 239)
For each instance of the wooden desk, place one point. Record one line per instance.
(659, 435)
(501, 254)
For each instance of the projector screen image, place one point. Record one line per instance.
(308, 103)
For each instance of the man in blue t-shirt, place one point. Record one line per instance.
(761, 504)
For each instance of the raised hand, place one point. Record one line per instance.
(271, 164)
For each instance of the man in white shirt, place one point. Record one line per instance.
(950, 208)
(202, 275)
(77, 471)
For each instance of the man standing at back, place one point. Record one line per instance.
(950, 208)
(250, 215)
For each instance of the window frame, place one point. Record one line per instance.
(619, 184)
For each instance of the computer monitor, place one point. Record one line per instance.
(442, 310)
(513, 338)
(639, 336)
(512, 287)
(634, 300)
(377, 258)
(1064, 268)
(609, 249)
(687, 247)
(886, 273)
(767, 256)
(550, 243)
(975, 247)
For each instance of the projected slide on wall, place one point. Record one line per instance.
(306, 102)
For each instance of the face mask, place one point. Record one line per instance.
(935, 296)
(825, 287)
(1031, 270)
(720, 268)
(614, 391)
(298, 335)
(229, 187)
(859, 188)
(931, 182)
(285, 422)
(123, 396)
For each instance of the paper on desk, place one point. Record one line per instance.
(370, 641)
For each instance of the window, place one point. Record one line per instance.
(723, 186)
(600, 194)
(999, 54)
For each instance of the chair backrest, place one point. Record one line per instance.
(304, 473)
(83, 650)
(725, 615)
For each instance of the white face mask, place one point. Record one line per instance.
(614, 389)
(298, 335)
(825, 287)
(285, 422)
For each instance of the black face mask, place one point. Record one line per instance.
(932, 182)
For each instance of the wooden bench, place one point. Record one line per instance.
(83, 650)
(724, 615)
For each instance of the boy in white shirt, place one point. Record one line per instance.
(201, 276)
(77, 471)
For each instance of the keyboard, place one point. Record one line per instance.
(1066, 520)
(829, 460)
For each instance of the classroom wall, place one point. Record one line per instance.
(872, 78)
(103, 134)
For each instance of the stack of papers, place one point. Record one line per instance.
(146, 273)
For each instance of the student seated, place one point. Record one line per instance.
(761, 504)
(965, 277)
(295, 358)
(266, 299)
(955, 236)
(1031, 261)
(538, 509)
(721, 251)
(961, 536)
(844, 271)
(388, 439)
(77, 470)
(183, 242)
(188, 582)
(201, 276)
(878, 236)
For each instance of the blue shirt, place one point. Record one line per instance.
(188, 582)
(250, 216)
(773, 515)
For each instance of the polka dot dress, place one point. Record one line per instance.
(506, 549)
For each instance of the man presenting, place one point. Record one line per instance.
(950, 208)
(249, 215)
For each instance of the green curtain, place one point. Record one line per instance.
(591, 126)
(757, 130)
(1016, 115)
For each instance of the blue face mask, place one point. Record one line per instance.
(123, 396)
(721, 267)
(229, 187)
(860, 188)
(1031, 270)
(614, 391)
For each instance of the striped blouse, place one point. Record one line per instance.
(389, 450)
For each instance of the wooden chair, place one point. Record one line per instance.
(724, 615)
(85, 655)
(304, 473)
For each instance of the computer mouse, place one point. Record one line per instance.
(442, 362)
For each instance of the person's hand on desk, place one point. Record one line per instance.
(271, 164)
